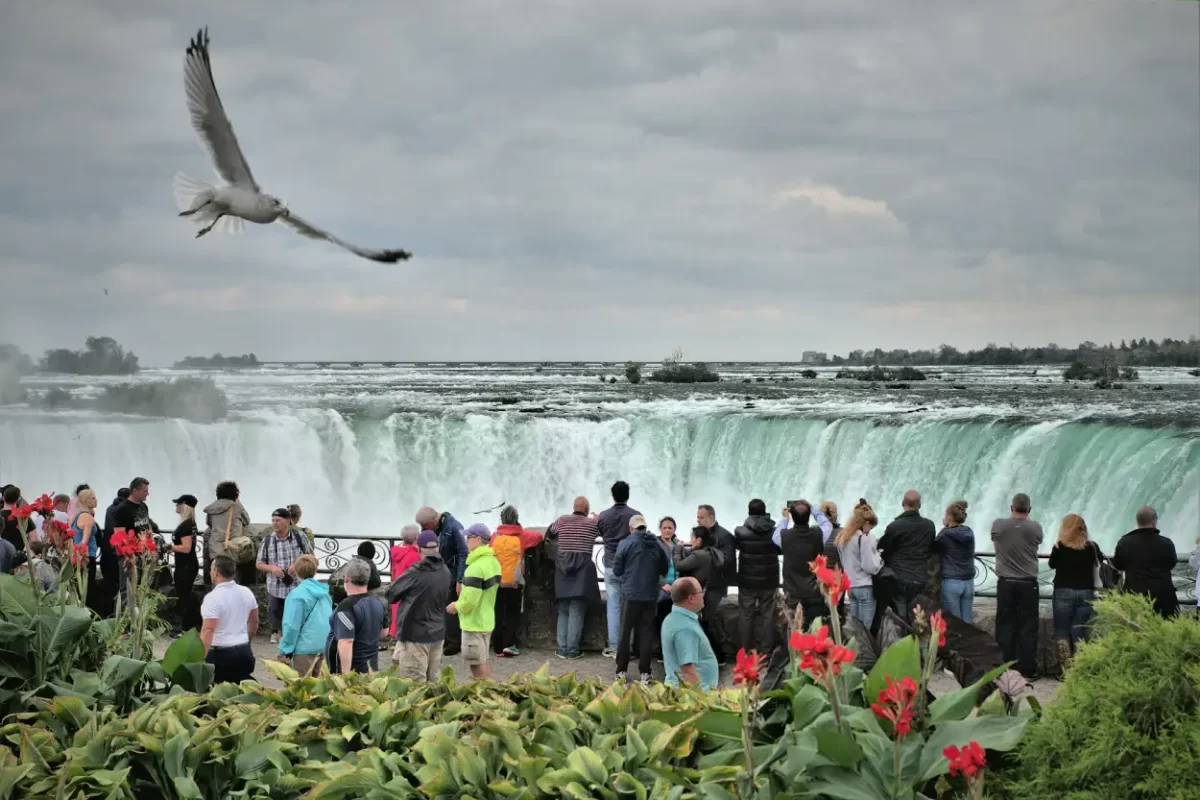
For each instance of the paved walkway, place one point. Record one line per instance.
(592, 665)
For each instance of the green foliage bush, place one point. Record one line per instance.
(196, 399)
(685, 373)
(1126, 723)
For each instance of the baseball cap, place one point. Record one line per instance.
(480, 530)
(187, 500)
(637, 523)
(427, 539)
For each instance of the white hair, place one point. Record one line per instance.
(410, 533)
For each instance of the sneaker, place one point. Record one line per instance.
(560, 654)
(621, 676)
(501, 654)
(512, 651)
(609, 653)
(644, 679)
(274, 638)
(574, 656)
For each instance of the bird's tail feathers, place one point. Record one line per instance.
(228, 224)
(189, 191)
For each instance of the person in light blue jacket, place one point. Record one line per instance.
(306, 614)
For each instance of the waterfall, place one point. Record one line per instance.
(355, 474)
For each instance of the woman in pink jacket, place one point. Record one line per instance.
(404, 555)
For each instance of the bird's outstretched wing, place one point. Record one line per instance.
(208, 116)
(305, 228)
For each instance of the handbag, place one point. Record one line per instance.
(1104, 575)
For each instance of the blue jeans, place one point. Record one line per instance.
(958, 598)
(862, 604)
(612, 602)
(1072, 610)
(571, 613)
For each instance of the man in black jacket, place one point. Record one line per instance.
(905, 547)
(110, 567)
(422, 592)
(721, 580)
(1147, 559)
(758, 579)
(800, 545)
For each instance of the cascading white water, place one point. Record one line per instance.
(370, 475)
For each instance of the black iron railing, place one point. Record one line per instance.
(334, 550)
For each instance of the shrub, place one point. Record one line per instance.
(809, 373)
(197, 399)
(633, 372)
(1125, 725)
(685, 373)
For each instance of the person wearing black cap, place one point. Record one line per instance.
(187, 566)
(277, 558)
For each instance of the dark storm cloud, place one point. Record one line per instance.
(745, 179)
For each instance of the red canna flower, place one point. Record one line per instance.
(22, 512)
(833, 582)
(895, 704)
(746, 669)
(937, 624)
(125, 543)
(79, 555)
(819, 654)
(44, 505)
(968, 761)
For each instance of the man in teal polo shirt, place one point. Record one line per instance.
(687, 656)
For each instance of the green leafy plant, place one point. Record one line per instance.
(1126, 723)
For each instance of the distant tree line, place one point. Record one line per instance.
(218, 361)
(1134, 353)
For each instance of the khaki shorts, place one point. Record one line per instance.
(475, 647)
(417, 661)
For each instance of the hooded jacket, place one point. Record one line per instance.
(452, 544)
(956, 546)
(641, 563)
(217, 516)
(306, 614)
(509, 543)
(758, 567)
(423, 592)
(477, 604)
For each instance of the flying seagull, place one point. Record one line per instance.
(241, 198)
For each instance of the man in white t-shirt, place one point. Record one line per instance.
(61, 501)
(230, 615)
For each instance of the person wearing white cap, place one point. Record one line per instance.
(640, 564)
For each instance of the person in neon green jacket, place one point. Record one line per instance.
(476, 605)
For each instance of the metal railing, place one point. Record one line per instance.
(334, 550)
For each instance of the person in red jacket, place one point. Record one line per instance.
(404, 555)
(509, 543)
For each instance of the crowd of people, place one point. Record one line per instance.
(456, 589)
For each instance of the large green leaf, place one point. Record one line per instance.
(845, 785)
(61, 630)
(121, 672)
(16, 599)
(956, 705)
(992, 733)
(807, 705)
(194, 676)
(720, 724)
(187, 649)
(838, 746)
(901, 660)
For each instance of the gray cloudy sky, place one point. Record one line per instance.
(607, 180)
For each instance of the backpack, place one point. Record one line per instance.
(331, 645)
(510, 554)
